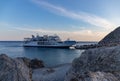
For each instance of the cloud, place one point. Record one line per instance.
(86, 17)
(40, 30)
(83, 35)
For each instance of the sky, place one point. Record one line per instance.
(81, 20)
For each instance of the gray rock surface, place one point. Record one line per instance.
(51, 74)
(100, 64)
(112, 38)
(32, 63)
(35, 64)
(13, 69)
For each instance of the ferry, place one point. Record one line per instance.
(47, 41)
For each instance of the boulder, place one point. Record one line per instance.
(99, 64)
(13, 69)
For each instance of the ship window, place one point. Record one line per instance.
(60, 42)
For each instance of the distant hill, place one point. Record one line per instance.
(112, 38)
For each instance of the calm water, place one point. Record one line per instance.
(51, 56)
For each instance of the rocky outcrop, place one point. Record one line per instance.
(17, 69)
(13, 69)
(100, 64)
(112, 39)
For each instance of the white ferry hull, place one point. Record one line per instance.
(61, 45)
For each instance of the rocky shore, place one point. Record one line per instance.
(99, 64)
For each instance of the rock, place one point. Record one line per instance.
(99, 64)
(25, 60)
(17, 69)
(84, 47)
(102, 76)
(13, 69)
(35, 64)
(56, 73)
(112, 39)
(92, 76)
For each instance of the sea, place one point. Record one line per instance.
(50, 56)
